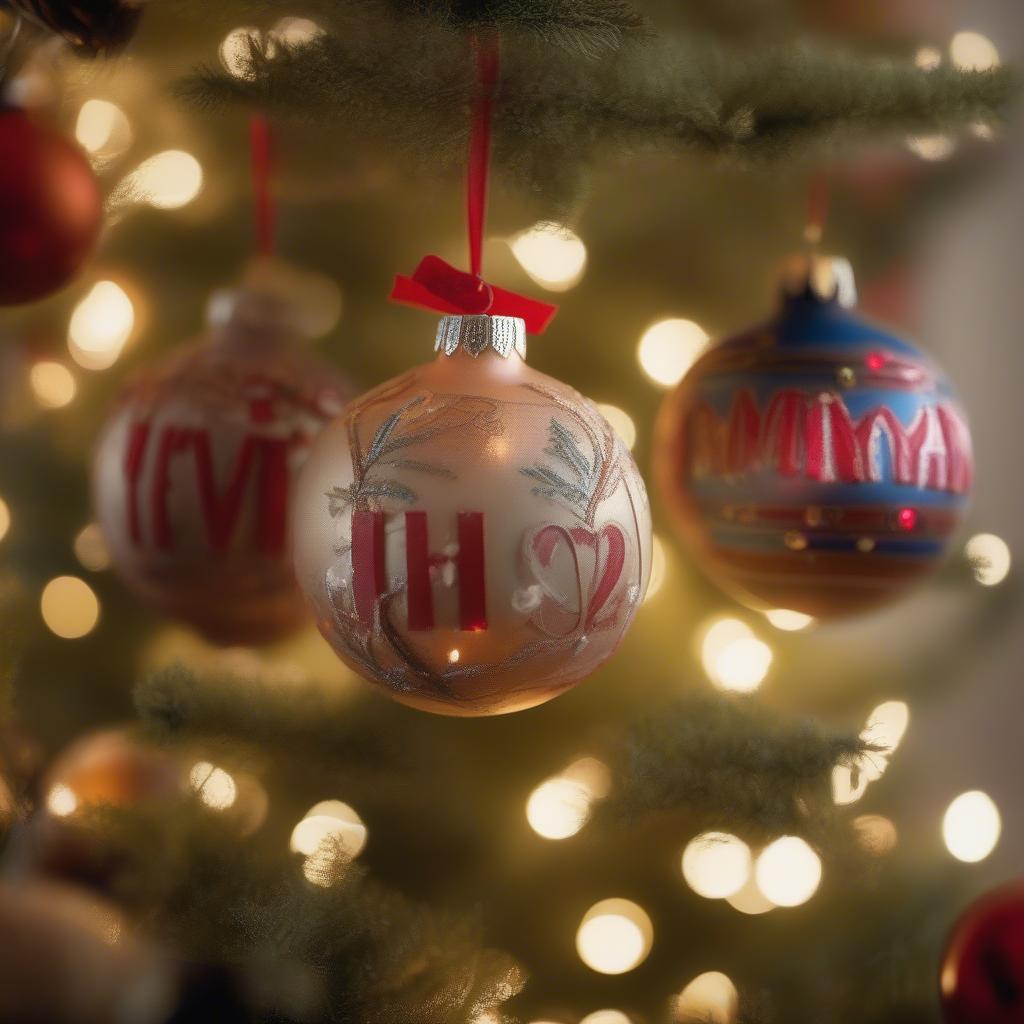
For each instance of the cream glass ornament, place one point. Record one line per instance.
(471, 535)
(194, 470)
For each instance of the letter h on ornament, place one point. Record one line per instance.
(369, 571)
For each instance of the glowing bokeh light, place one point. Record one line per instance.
(61, 801)
(592, 774)
(167, 180)
(553, 256)
(971, 826)
(296, 31)
(614, 937)
(711, 998)
(606, 1017)
(931, 147)
(928, 58)
(332, 824)
(742, 665)
(887, 725)
(69, 607)
(100, 325)
(659, 567)
(52, 383)
(5, 519)
(875, 833)
(788, 871)
(669, 348)
(849, 783)
(214, 786)
(750, 900)
(971, 51)
(716, 865)
(990, 558)
(236, 48)
(91, 549)
(787, 620)
(102, 129)
(621, 422)
(558, 808)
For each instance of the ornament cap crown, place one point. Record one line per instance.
(477, 333)
(826, 278)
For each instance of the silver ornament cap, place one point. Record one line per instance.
(477, 333)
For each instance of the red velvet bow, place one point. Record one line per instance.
(437, 285)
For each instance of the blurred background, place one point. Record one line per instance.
(663, 255)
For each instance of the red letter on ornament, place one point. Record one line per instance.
(133, 461)
(419, 597)
(472, 588)
(369, 579)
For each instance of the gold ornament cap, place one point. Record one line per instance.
(479, 332)
(826, 277)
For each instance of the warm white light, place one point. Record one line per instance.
(788, 871)
(102, 128)
(69, 607)
(928, 58)
(931, 147)
(5, 519)
(716, 865)
(886, 725)
(788, 620)
(91, 548)
(53, 384)
(100, 326)
(453, 656)
(750, 900)
(592, 774)
(710, 998)
(558, 808)
(606, 1017)
(553, 256)
(971, 51)
(296, 31)
(717, 635)
(659, 567)
(214, 786)
(989, 557)
(621, 422)
(236, 50)
(849, 783)
(332, 824)
(971, 826)
(167, 180)
(875, 833)
(742, 665)
(614, 936)
(669, 348)
(61, 801)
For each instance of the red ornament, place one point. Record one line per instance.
(982, 979)
(50, 208)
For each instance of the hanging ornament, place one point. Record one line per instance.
(194, 469)
(816, 462)
(92, 27)
(193, 473)
(982, 976)
(471, 535)
(50, 208)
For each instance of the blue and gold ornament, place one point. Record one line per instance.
(816, 462)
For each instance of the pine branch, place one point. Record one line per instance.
(733, 765)
(404, 82)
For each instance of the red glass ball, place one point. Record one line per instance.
(50, 208)
(982, 979)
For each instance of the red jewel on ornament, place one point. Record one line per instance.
(50, 208)
(875, 361)
(982, 976)
(907, 518)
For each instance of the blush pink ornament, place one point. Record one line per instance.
(471, 535)
(194, 470)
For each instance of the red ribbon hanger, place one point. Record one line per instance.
(261, 156)
(436, 284)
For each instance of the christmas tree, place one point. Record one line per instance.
(735, 810)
